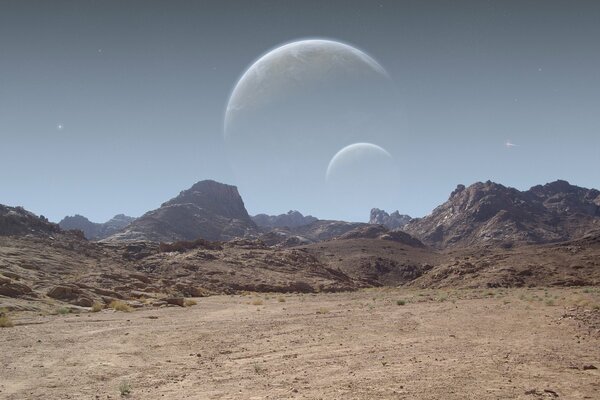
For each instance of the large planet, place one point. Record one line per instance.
(292, 66)
(292, 109)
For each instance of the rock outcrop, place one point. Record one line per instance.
(94, 230)
(291, 219)
(18, 221)
(392, 221)
(209, 210)
(492, 214)
(317, 231)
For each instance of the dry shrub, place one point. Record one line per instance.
(323, 310)
(189, 302)
(6, 322)
(257, 302)
(119, 305)
(97, 306)
(281, 299)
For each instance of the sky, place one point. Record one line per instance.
(111, 107)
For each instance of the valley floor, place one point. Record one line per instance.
(370, 344)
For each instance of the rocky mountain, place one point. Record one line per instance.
(18, 221)
(492, 214)
(208, 210)
(317, 231)
(394, 220)
(291, 219)
(93, 230)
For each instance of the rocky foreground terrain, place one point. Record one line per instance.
(494, 295)
(382, 343)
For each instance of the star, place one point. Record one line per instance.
(60, 127)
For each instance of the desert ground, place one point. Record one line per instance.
(384, 343)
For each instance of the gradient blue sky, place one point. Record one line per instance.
(139, 89)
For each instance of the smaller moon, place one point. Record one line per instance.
(353, 153)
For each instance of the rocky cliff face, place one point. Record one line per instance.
(16, 221)
(492, 214)
(93, 230)
(208, 210)
(392, 221)
(291, 219)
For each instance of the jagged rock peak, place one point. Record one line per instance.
(489, 213)
(392, 221)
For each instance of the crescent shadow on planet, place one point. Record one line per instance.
(355, 150)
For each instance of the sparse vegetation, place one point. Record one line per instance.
(119, 305)
(281, 299)
(97, 306)
(257, 302)
(63, 311)
(5, 322)
(190, 302)
(125, 388)
(401, 302)
(323, 310)
(259, 369)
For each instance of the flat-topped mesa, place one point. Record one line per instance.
(213, 197)
(209, 210)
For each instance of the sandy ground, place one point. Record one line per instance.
(512, 344)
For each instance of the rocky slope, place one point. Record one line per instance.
(317, 231)
(94, 230)
(491, 214)
(394, 220)
(208, 210)
(42, 267)
(18, 221)
(291, 219)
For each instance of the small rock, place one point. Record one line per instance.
(589, 366)
(178, 301)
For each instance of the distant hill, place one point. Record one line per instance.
(18, 221)
(93, 230)
(291, 219)
(492, 214)
(208, 210)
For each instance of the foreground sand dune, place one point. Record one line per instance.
(462, 344)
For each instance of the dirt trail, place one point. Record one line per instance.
(361, 345)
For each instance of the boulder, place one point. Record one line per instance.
(9, 288)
